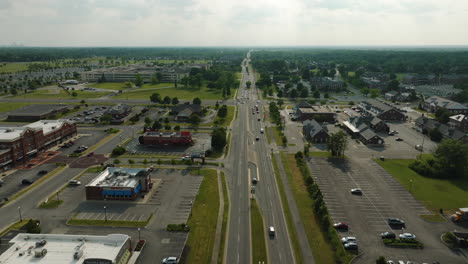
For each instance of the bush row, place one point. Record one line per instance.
(178, 227)
(320, 209)
(403, 243)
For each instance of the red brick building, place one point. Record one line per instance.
(19, 144)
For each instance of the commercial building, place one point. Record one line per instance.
(19, 144)
(119, 112)
(381, 110)
(424, 125)
(60, 249)
(314, 132)
(327, 84)
(305, 111)
(460, 122)
(433, 103)
(360, 128)
(166, 138)
(183, 112)
(36, 112)
(119, 184)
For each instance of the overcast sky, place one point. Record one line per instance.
(233, 22)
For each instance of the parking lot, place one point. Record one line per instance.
(367, 214)
(89, 115)
(202, 141)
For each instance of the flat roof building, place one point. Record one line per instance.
(36, 112)
(305, 111)
(72, 249)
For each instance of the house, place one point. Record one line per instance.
(184, 111)
(433, 103)
(390, 96)
(378, 125)
(368, 137)
(381, 110)
(424, 125)
(119, 111)
(459, 121)
(314, 132)
(305, 111)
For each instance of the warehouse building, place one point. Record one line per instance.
(59, 249)
(119, 184)
(153, 138)
(36, 112)
(19, 144)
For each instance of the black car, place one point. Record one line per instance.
(395, 221)
(26, 182)
(388, 235)
(356, 191)
(42, 172)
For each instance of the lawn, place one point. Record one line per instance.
(60, 94)
(321, 249)
(13, 67)
(276, 135)
(448, 194)
(202, 221)
(109, 85)
(225, 219)
(4, 107)
(182, 93)
(259, 254)
(158, 85)
(228, 119)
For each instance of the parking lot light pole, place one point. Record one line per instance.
(105, 213)
(20, 216)
(139, 237)
(411, 185)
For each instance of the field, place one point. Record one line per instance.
(433, 193)
(182, 93)
(60, 94)
(4, 107)
(202, 221)
(13, 67)
(108, 85)
(158, 85)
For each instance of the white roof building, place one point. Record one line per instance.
(70, 249)
(47, 126)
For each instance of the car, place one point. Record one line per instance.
(27, 182)
(401, 262)
(341, 226)
(398, 139)
(389, 235)
(42, 172)
(254, 180)
(261, 130)
(257, 139)
(394, 132)
(258, 119)
(351, 246)
(41, 243)
(78, 150)
(170, 260)
(390, 262)
(1, 183)
(271, 231)
(356, 191)
(185, 158)
(391, 133)
(395, 221)
(74, 182)
(345, 240)
(90, 154)
(407, 236)
(419, 147)
(83, 147)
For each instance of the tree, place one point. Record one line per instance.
(155, 98)
(128, 84)
(374, 93)
(304, 93)
(393, 85)
(451, 158)
(222, 112)
(106, 118)
(118, 151)
(147, 121)
(337, 143)
(279, 93)
(154, 80)
(218, 139)
(157, 125)
(74, 94)
(135, 118)
(442, 115)
(293, 93)
(381, 260)
(435, 134)
(33, 227)
(177, 128)
(280, 102)
(138, 80)
(195, 120)
(196, 101)
(326, 95)
(248, 84)
(175, 100)
(167, 100)
(316, 94)
(365, 91)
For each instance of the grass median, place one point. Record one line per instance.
(259, 253)
(111, 223)
(225, 220)
(202, 220)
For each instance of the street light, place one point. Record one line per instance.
(139, 229)
(19, 211)
(411, 185)
(105, 213)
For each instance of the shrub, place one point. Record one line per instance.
(118, 151)
(116, 161)
(33, 226)
(130, 161)
(178, 227)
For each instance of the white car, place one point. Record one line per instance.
(185, 158)
(407, 236)
(170, 260)
(345, 240)
(74, 182)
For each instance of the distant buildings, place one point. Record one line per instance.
(305, 111)
(431, 79)
(36, 112)
(327, 84)
(19, 144)
(119, 184)
(381, 110)
(459, 122)
(314, 132)
(119, 113)
(425, 125)
(58, 248)
(183, 112)
(433, 103)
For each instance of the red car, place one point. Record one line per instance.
(341, 226)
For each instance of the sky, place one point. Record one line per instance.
(233, 22)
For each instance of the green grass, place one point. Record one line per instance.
(13, 67)
(229, 117)
(351, 74)
(276, 135)
(112, 223)
(51, 204)
(182, 93)
(202, 221)
(434, 218)
(15, 226)
(109, 85)
(287, 213)
(321, 249)
(225, 219)
(4, 107)
(52, 93)
(158, 85)
(448, 194)
(259, 254)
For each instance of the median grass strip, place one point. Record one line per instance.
(434, 193)
(226, 120)
(50, 204)
(202, 220)
(321, 247)
(15, 226)
(287, 213)
(274, 130)
(325, 154)
(112, 223)
(259, 254)
(225, 219)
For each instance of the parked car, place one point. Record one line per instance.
(257, 139)
(42, 172)
(90, 154)
(407, 236)
(390, 262)
(74, 182)
(27, 182)
(398, 139)
(258, 119)
(356, 191)
(170, 260)
(389, 235)
(345, 240)
(1, 183)
(261, 130)
(254, 180)
(395, 221)
(271, 231)
(185, 158)
(341, 226)
(351, 246)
